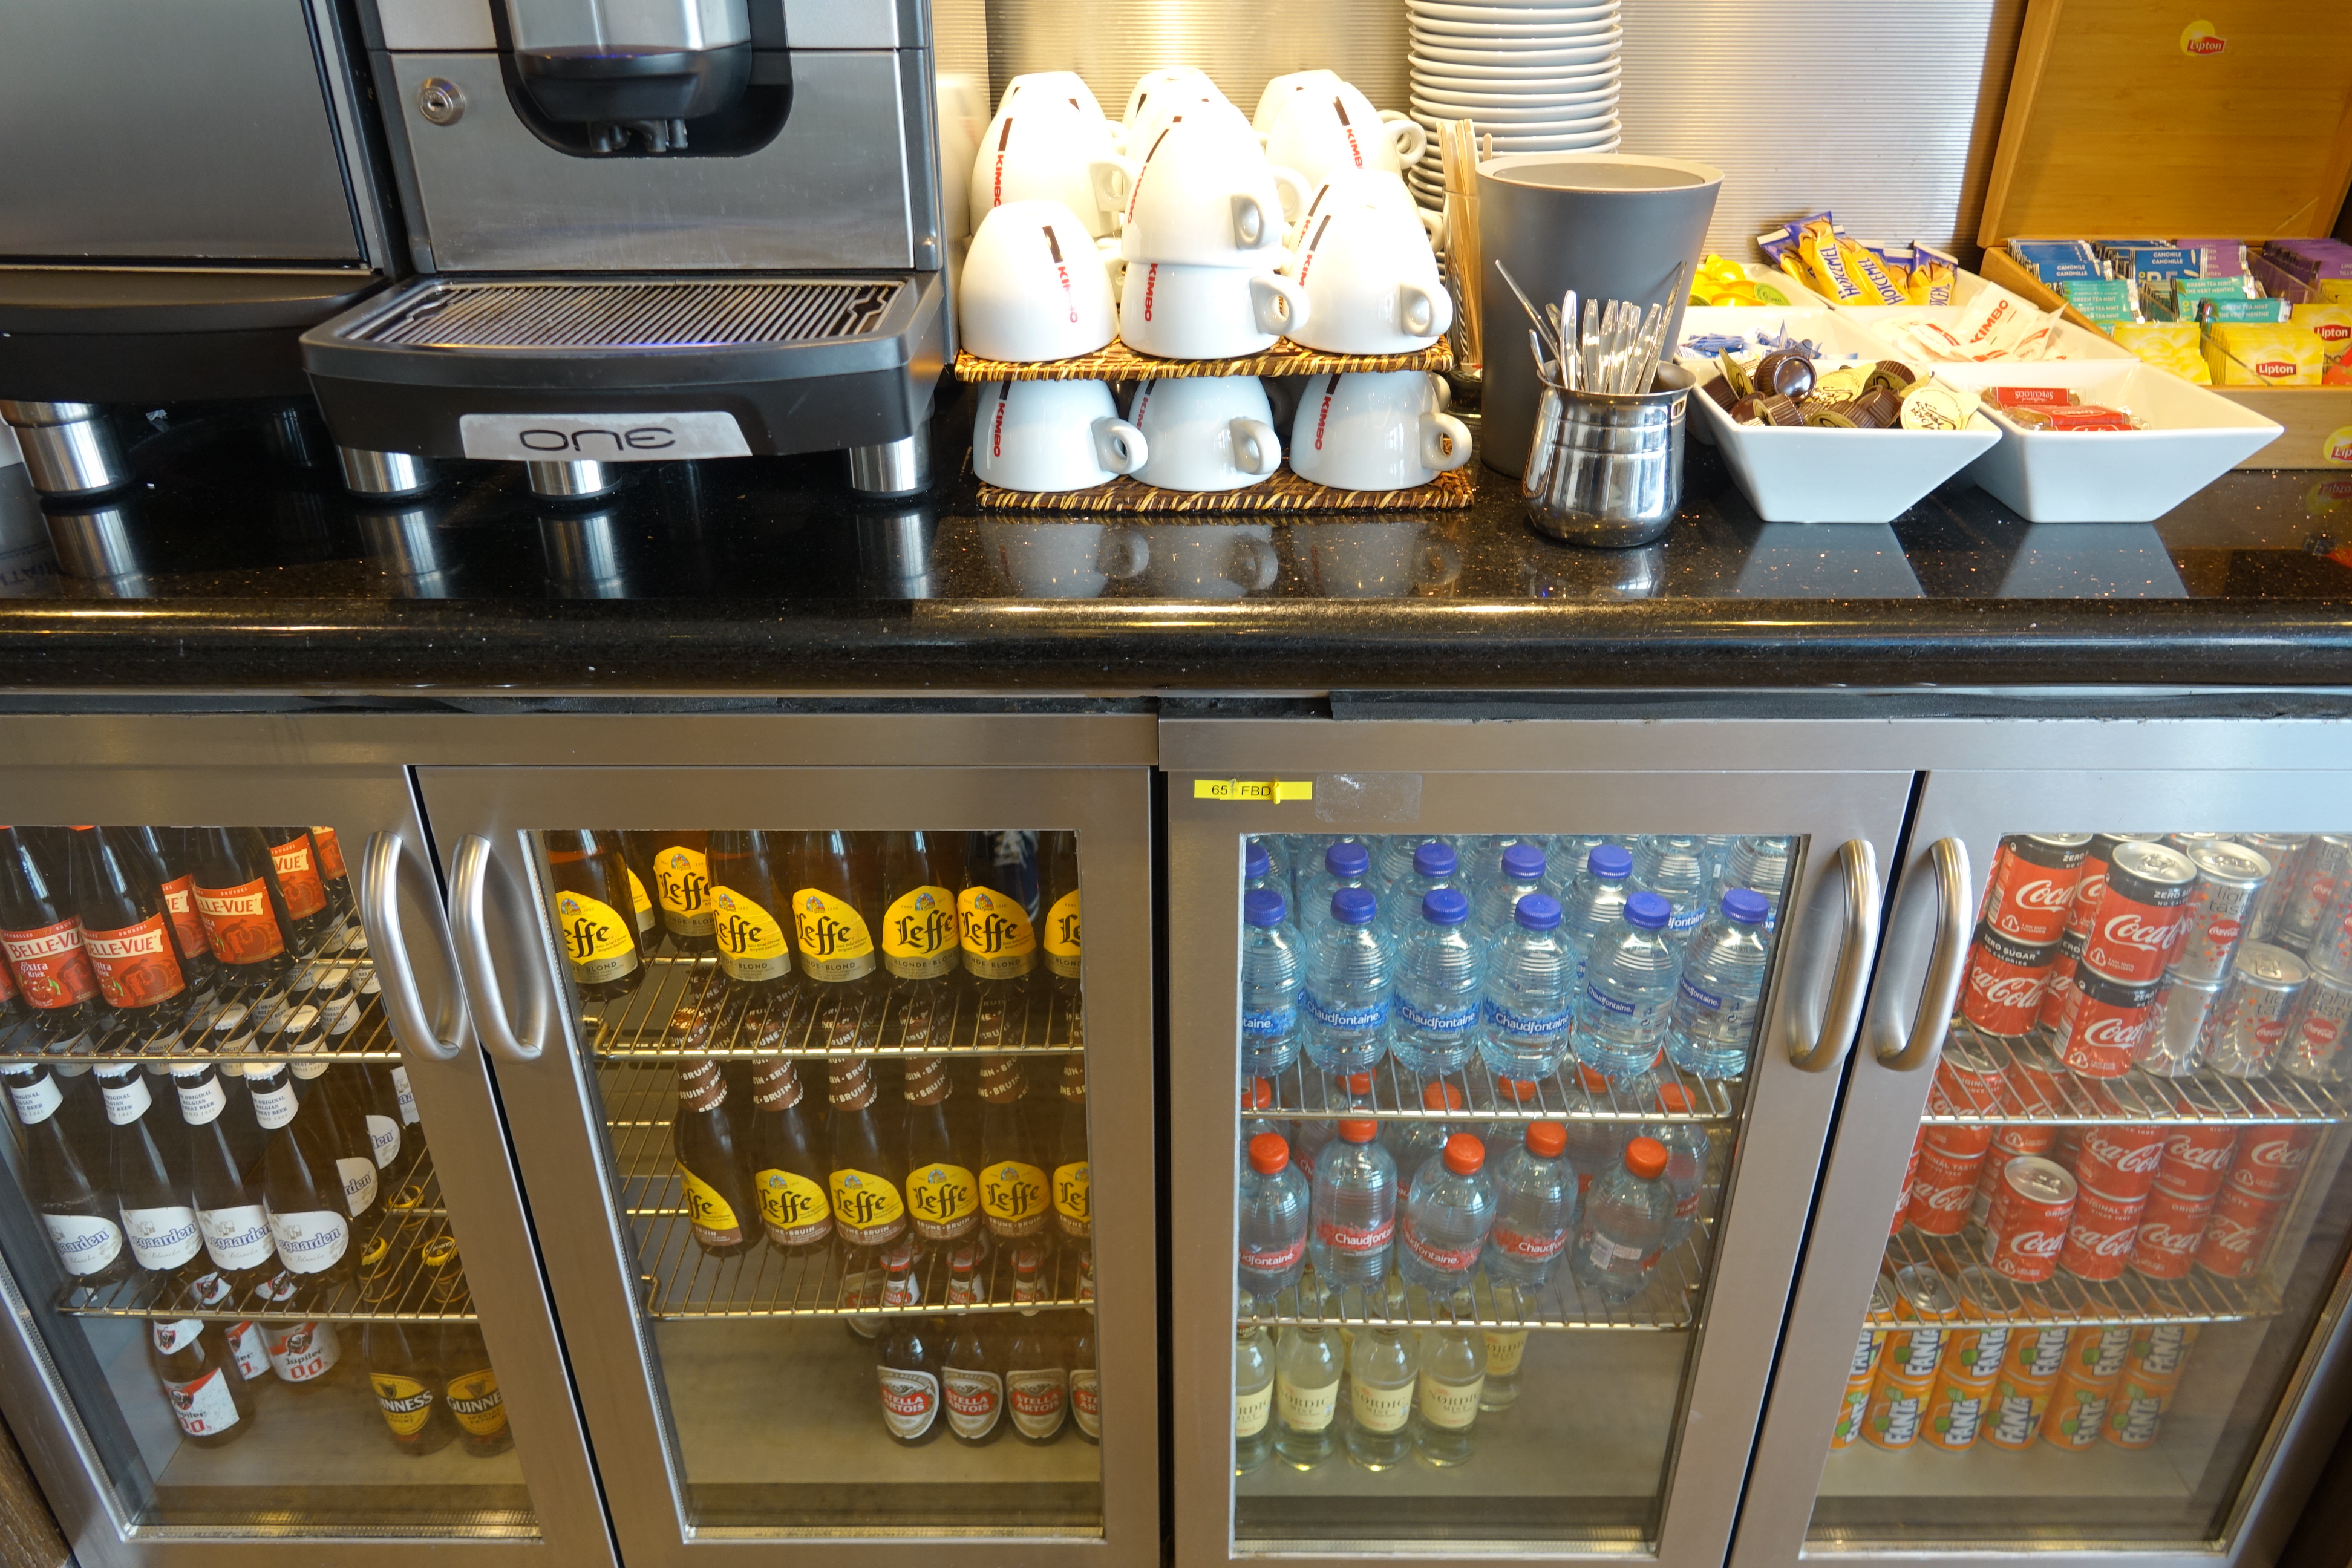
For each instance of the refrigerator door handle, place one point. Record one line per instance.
(403, 1005)
(1855, 878)
(1931, 932)
(469, 883)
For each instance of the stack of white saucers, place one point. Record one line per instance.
(1538, 76)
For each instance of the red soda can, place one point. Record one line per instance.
(2030, 1213)
(2196, 1159)
(2002, 993)
(2061, 981)
(2035, 1086)
(1910, 1169)
(1968, 1074)
(2229, 877)
(2140, 915)
(2236, 1232)
(2010, 1140)
(2093, 886)
(2269, 1160)
(1944, 1181)
(2033, 885)
(2171, 1229)
(2100, 1234)
(2119, 1158)
(2108, 1018)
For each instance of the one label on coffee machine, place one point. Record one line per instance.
(602, 438)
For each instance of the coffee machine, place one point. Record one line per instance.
(185, 189)
(649, 230)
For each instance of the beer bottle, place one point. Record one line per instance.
(942, 1195)
(1086, 1381)
(1073, 1177)
(166, 849)
(997, 934)
(344, 1139)
(470, 1391)
(208, 1397)
(335, 876)
(244, 914)
(367, 1100)
(865, 1179)
(305, 1353)
(1057, 866)
(42, 938)
(682, 888)
(1036, 1377)
(921, 874)
(749, 896)
(403, 1366)
(711, 1162)
(600, 941)
(1014, 1193)
(300, 1183)
(294, 866)
(836, 887)
(79, 1217)
(638, 859)
(907, 1365)
(971, 1383)
(133, 954)
(247, 1350)
(787, 1168)
(157, 1220)
(229, 1213)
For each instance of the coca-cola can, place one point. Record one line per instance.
(2034, 1086)
(2002, 993)
(1969, 1075)
(2119, 1158)
(2093, 883)
(2033, 885)
(2171, 1229)
(2316, 1030)
(2140, 914)
(2010, 1140)
(2286, 852)
(2236, 1232)
(2177, 1046)
(2108, 1019)
(2326, 867)
(2229, 876)
(2270, 1159)
(1944, 1181)
(2060, 984)
(2100, 1233)
(2250, 1020)
(2030, 1213)
(2197, 1159)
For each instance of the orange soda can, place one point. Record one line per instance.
(2020, 1390)
(2079, 1400)
(1956, 1411)
(1863, 1374)
(1893, 1416)
(2152, 1369)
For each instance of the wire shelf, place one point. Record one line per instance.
(684, 1009)
(410, 1300)
(2053, 1094)
(1301, 1088)
(2063, 1300)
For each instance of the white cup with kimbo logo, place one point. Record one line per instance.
(1177, 312)
(1053, 436)
(1206, 432)
(1372, 284)
(1042, 148)
(1321, 133)
(1380, 430)
(1203, 193)
(1034, 288)
(1281, 89)
(1365, 188)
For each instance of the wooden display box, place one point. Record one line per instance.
(2128, 121)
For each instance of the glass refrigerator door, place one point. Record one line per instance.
(2082, 1241)
(858, 1228)
(272, 1282)
(1489, 1261)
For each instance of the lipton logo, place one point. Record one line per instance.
(2331, 332)
(591, 441)
(2199, 39)
(2338, 447)
(2274, 369)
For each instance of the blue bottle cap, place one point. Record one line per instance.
(1347, 858)
(1610, 862)
(1257, 863)
(1539, 911)
(1264, 907)
(1355, 906)
(1746, 906)
(1648, 910)
(1524, 863)
(1433, 859)
(1445, 907)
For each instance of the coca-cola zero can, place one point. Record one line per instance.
(2033, 885)
(2177, 1046)
(2197, 1158)
(2119, 1158)
(2003, 995)
(2316, 1030)
(2093, 883)
(2099, 1234)
(2140, 914)
(2061, 981)
(2236, 1232)
(2030, 1213)
(2250, 1020)
(2229, 876)
(2108, 1019)
(2171, 1229)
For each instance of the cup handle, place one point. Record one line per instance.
(1113, 180)
(1255, 229)
(1434, 222)
(1118, 446)
(1124, 553)
(1424, 312)
(1440, 391)
(1295, 191)
(1445, 442)
(1264, 449)
(1278, 303)
(1114, 264)
(1411, 136)
(1257, 564)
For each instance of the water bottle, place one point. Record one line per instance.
(1346, 864)
(1520, 872)
(1712, 1025)
(1528, 1004)
(1414, 1144)
(1624, 1224)
(1257, 1098)
(1306, 1367)
(1433, 867)
(1675, 868)
(1396, 856)
(1453, 1377)
(1273, 968)
(1445, 1219)
(1629, 989)
(1276, 872)
(1714, 849)
(1760, 864)
(1594, 1147)
(1355, 1209)
(1382, 1371)
(1534, 1208)
(1685, 1146)
(1273, 1215)
(1340, 1096)
(1594, 900)
(1350, 975)
(1439, 976)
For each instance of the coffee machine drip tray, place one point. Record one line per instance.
(629, 315)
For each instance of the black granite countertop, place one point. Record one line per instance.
(230, 565)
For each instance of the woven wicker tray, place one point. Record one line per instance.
(1285, 492)
(1119, 363)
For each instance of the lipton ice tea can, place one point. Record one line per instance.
(1863, 1374)
(2086, 1386)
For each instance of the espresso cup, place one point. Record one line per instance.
(1180, 81)
(1052, 435)
(1058, 557)
(1210, 560)
(1377, 430)
(1177, 104)
(1365, 188)
(1321, 133)
(1040, 148)
(1067, 87)
(1177, 312)
(1205, 194)
(1205, 433)
(1034, 288)
(1281, 89)
(1372, 284)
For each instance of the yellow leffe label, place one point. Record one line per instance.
(475, 1402)
(997, 942)
(790, 1202)
(1013, 1191)
(751, 943)
(865, 1204)
(833, 936)
(939, 1196)
(406, 1404)
(919, 934)
(599, 943)
(639, 904)
(1062, 936)
(707, 1210)
(1074, 1191)
(682, 879)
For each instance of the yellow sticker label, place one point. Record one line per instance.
(2338, 447)
(2199, 39)
(919, 934)
(475, 1402)
(1013, 1193)
(751, 943)
(1258, 790)
(1062, 936)
(997, 942)
(601, 945)
(640, 905)
(1074, 1191)
(794, 1207)
(712, 1217)
(406, 1404)
(833, 936)
(942, 1199)
(867, 1207)
(682, 880)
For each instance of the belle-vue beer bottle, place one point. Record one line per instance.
(157, 1220)
(712, 1162)
(788, 1164)
(294, 866)
(594, 924)
(749, 905)
(308, 1216)
(229, 1212)
(404, 1367)
(125, 929)
(335, 875)
(169, 862)
(244, 914)
(78, 1215)
(471, 1385)
(42, 938)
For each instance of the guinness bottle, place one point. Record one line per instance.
(207, 1395)
(943, 1194)
(682, 888)
(599, 938)
(244, 914)
(749, 903)
(907, 1365)
(1013, 1190)
(711, 1162)
(294, 866)
(309, 1218)
(157, 1220)
(42, 939)
(79, 1217)
(166, 849)
(788, 1170)
(471, 1384)
(229, 1213)
(403, 1369)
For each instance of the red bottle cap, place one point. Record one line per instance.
(1359, 1082)
(1516, 1088)
(1258, 1095)
(1646, 1157)
(1465, 1154)
(1674, 1099)
(1549, 1138)
(1269, 1153)
(1592, 1081)
(1359, 1131)
(1441, 1097)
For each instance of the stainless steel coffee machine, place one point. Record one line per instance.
(646, 230)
